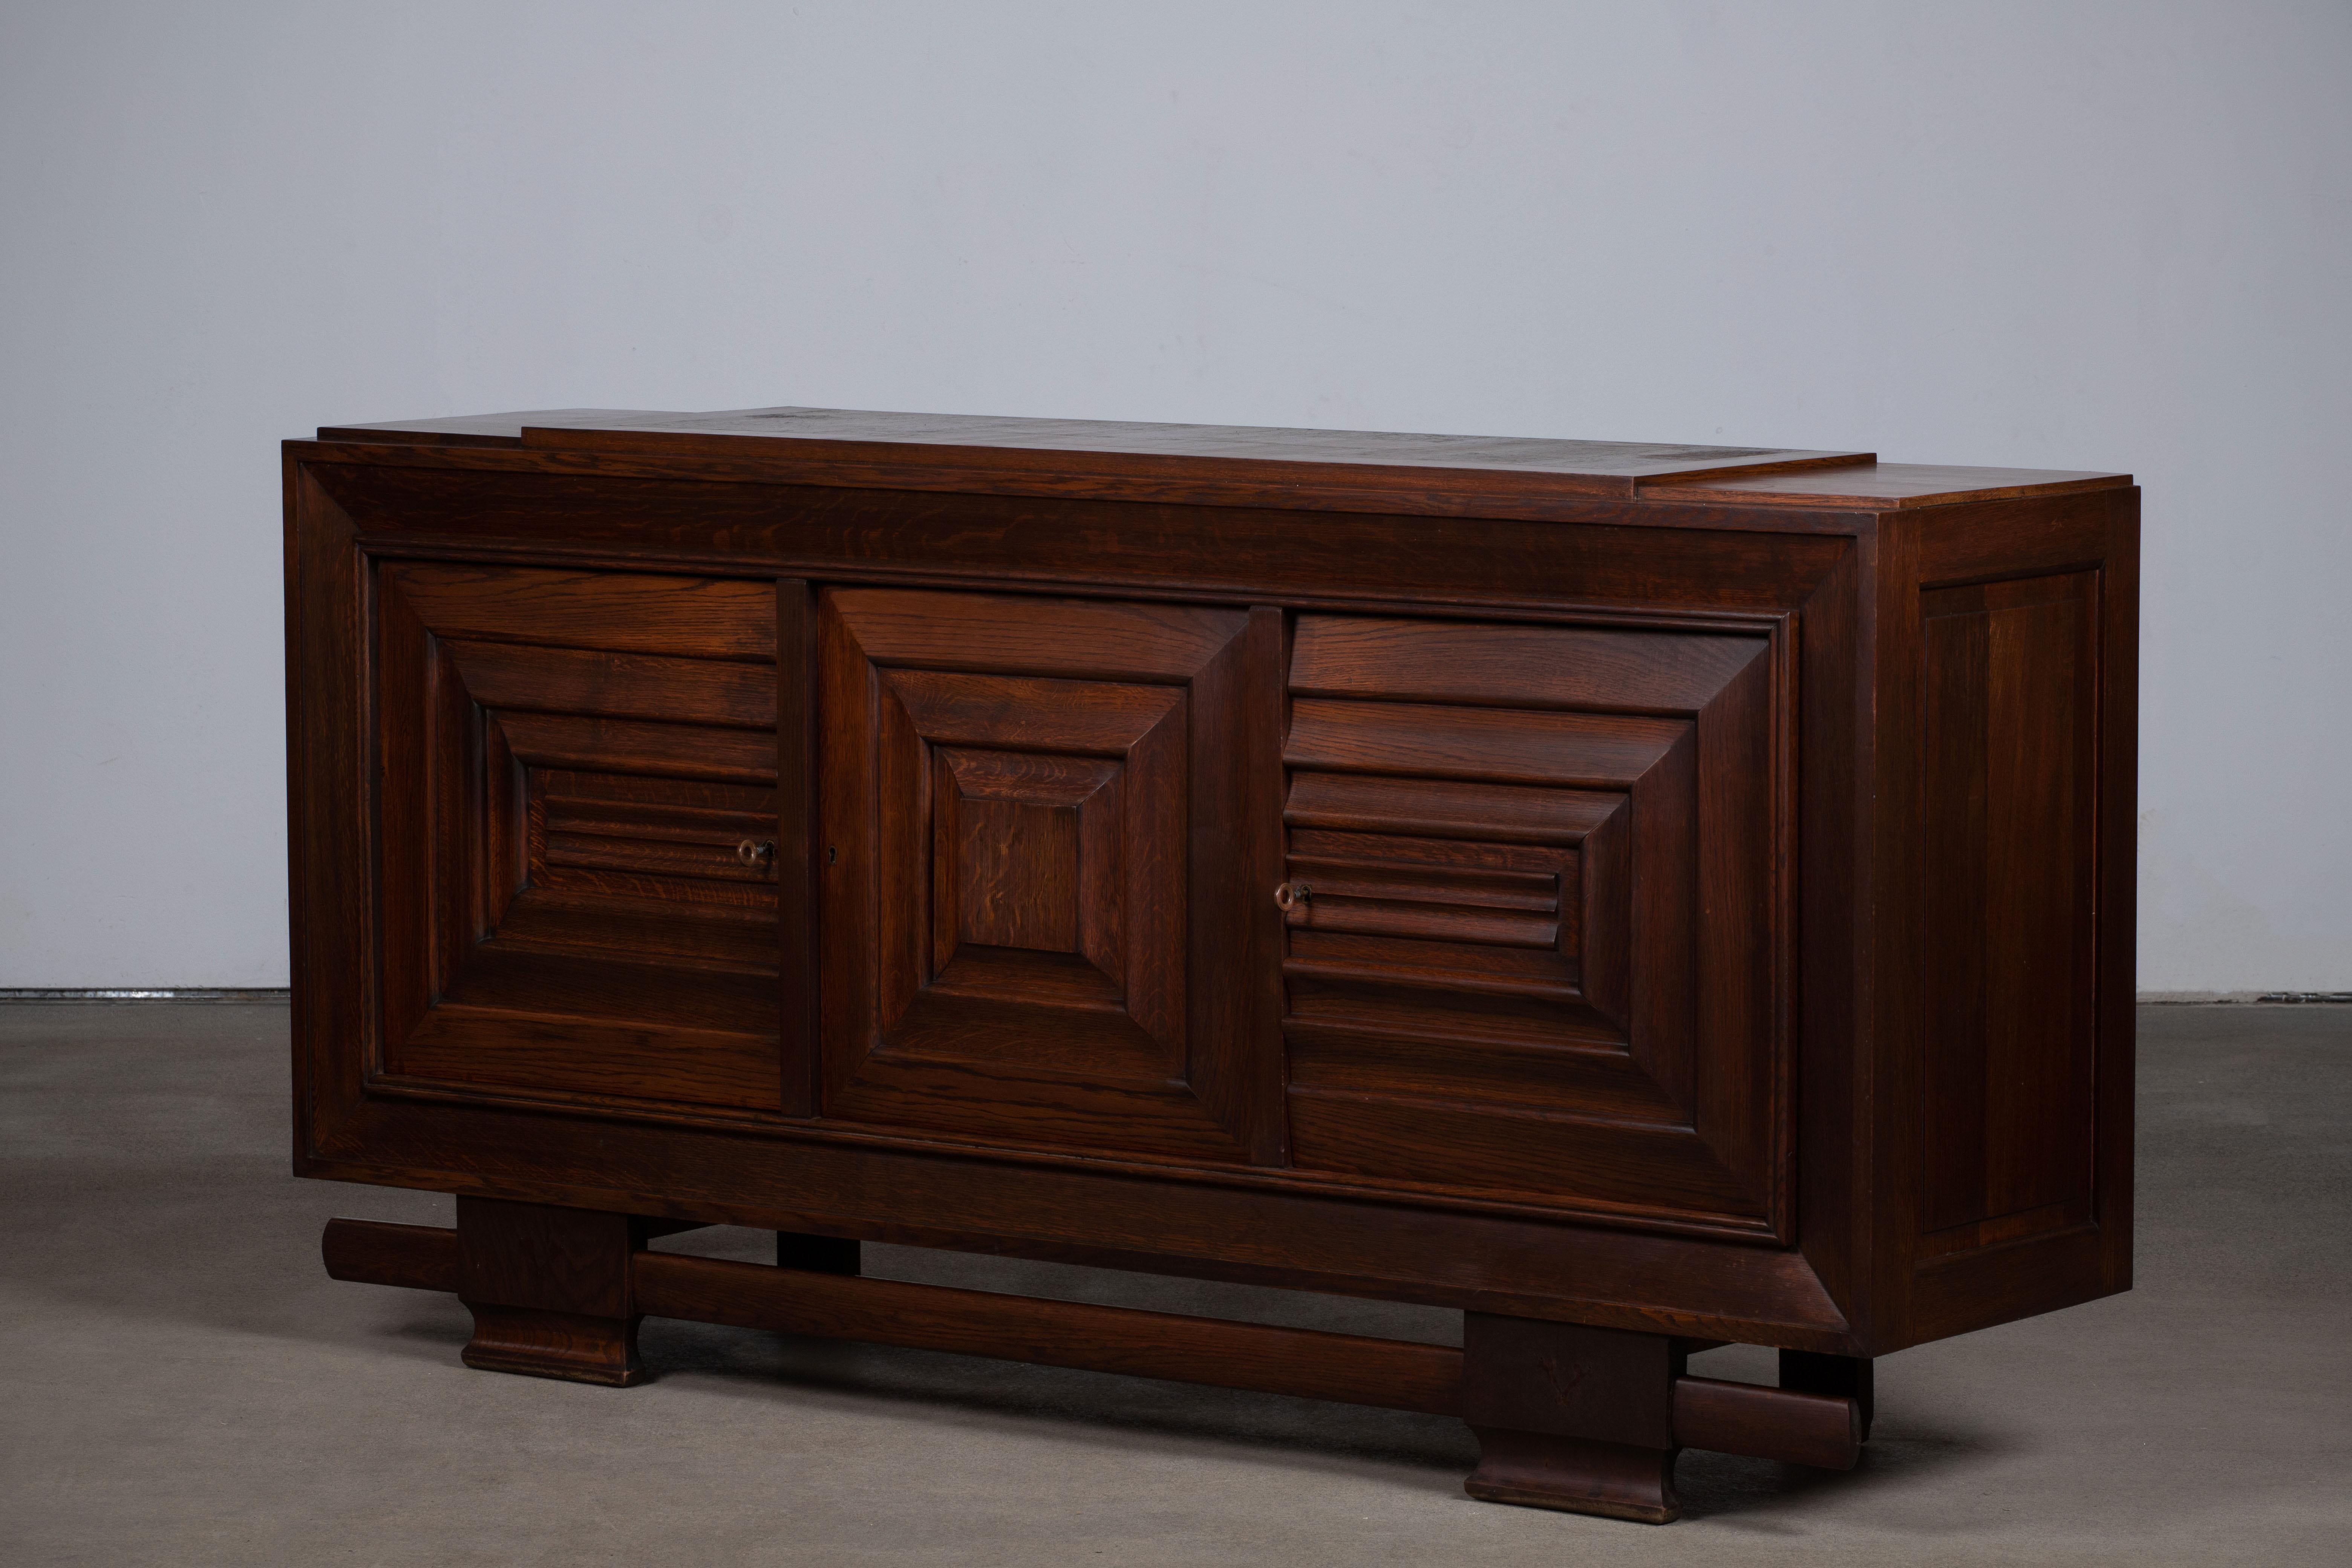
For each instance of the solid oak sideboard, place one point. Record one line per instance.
(1642, 897)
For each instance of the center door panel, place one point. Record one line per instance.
(1048, 831)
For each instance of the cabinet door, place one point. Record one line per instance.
(1535, 958)
(578, 840)
(1049, 836)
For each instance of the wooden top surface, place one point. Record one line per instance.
(1003, 451)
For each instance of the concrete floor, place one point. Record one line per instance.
(188, 1387)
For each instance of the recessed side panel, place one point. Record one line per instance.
(2010, 778)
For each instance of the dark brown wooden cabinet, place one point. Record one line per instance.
(1642, 897)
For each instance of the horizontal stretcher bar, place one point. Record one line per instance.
(1399, 1375)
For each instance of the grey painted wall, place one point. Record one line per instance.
(2073, 235)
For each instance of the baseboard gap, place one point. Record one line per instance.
(2242, 998)
(144, 994)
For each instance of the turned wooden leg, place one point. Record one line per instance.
(1839, 1376)
(1568, 1417)
(549, 1288)
(818, 1253)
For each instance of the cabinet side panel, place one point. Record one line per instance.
(2009, 726)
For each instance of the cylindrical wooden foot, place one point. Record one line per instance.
(1767, 1423)
(1839, 1376)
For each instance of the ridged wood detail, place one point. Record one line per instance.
(568, 904)
(1501, 972)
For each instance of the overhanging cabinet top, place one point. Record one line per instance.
(1212, 465)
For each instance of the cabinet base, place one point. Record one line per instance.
(1576, 1419)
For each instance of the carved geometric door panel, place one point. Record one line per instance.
(1048, 831)
(1533, 954)
(578, 833)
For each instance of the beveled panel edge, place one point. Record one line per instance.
(1173, 645)
(1426, 660)
(742, 627)
(646, 1115)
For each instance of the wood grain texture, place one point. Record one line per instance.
(1044, 448)
(537, 679)
(1433, 921)
(2010, 720)
(1039, 867)
(654, 1060)
(1835, 968)
(1569, 1381)
(1795, 1427)
(1514, 666)
(1002, 634)
(1295, 1229)
(372, 1252)
(1878, 486)
(1569, 1417)
(1583, 751)
(1445, 809)
(799, 856)
(700, 617)
(534, 509)
(1933, 1282)
(1574, 1474)
(1536, 1153)
(1548, 1377)
(550, 1290)
(568, 904)
(1066, 453)
(1839, 1377)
